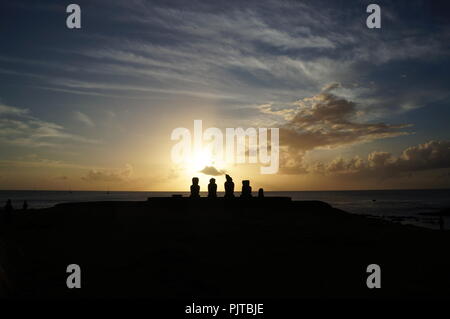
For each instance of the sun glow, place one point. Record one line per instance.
(201, 159)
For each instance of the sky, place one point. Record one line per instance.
(94, 108)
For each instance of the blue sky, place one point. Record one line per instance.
(137, 69)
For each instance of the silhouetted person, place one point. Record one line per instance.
(246, 189)
(195, 188)
(212, 188)
(229, 187)
(8, 211)
(261, 193)
(25, 205)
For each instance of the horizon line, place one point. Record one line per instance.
(187, 191)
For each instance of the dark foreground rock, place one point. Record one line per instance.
(178, 247)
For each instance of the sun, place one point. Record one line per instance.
(201, 159)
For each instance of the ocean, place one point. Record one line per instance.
(403, 206)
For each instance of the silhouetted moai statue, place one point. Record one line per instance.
(229, 187)
(195, 188)
(261, 193)
(246, 189)
(212, 188)
(25, 205)
(8, 211)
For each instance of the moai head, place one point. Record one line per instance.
(195, 181)
(261, 192)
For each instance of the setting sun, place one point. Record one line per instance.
(200, 160)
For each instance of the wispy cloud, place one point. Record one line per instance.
(253, 53)
(83, 118)
(19, 127)
(11, 110)
(108, 175)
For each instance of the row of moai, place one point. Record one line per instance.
(229, 188)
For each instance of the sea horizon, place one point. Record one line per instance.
(269, 191)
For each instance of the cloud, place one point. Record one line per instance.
(329, 87)
(35, 161)
(286, 112)
(83, 118)
(5, 109)
(325, 121)
(19, 127)
(427, 156)
(211, 170)
(339, 166)
(105, 175)
(328, 121)
(430, 155)
(292, 163)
